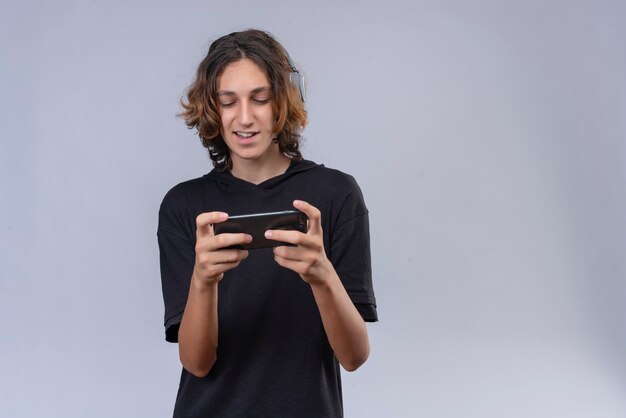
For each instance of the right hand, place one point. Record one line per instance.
(212, 260)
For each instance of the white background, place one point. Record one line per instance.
(489, 138)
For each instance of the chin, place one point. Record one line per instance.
(250, 155)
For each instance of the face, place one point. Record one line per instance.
(245, 106)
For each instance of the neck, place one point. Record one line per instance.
(259, 170)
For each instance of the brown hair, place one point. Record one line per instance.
(201, 109)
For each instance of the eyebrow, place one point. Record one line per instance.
(253, 91)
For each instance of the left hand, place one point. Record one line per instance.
(308, 257)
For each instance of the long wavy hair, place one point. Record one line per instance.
(201, 108)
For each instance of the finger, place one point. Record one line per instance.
(225, 240)
(214, 263)
(230, 256)
(299, 267)
(288, 236)
(291, 253)
(222, 268)
(313, 213)
(205, 220)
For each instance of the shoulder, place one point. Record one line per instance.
(336, 193)
(334, 180)
(342, 184)
(177, 209)
(182, 192)
(192, 194)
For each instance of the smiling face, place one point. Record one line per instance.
(245, 107)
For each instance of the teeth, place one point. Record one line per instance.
(245, 134)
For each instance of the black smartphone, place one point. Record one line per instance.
(257, 223)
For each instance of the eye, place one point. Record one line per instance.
(229, 104)
(261, 101)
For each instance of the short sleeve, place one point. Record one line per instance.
(350, 252)
(177, 256)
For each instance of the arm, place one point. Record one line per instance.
(197, 335)
(342, 322)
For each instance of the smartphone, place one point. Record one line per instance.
(257, 223)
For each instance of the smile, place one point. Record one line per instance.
(245, 134)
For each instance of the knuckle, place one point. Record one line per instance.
(232, 257)
(220, 241)
(201, 245)
(203, 259)
(213, 271)
(314, 213)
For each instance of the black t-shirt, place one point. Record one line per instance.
(273, 356)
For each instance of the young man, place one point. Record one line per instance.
(262, 332)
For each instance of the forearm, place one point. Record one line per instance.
(197, 335)
(342, 322)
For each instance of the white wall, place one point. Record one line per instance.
(489, 139)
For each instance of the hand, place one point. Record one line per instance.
(212, 260)
(308, 258)
(342, 322)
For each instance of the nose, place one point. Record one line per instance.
(245, 113)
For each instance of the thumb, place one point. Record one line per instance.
(204, 222)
